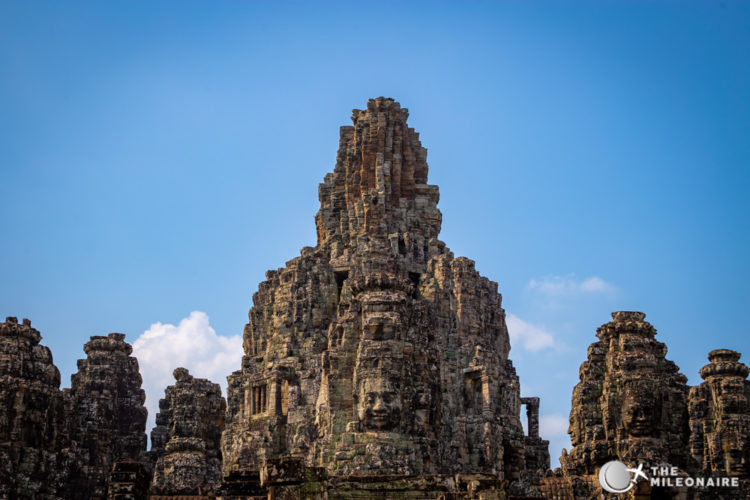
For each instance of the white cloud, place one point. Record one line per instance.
(192, 344)
(554, 427)
(570, 285)
(596, 284)
(531, 337)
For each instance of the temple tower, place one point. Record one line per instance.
(31, 415)
(720, 416)
(106, 412)
(378, 352)
(185, 442)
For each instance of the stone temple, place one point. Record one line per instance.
(375, 366)
(377, 353)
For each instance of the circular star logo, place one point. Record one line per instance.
(616, 477)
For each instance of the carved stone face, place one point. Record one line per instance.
(379, 404)
(574, 430)
(734, 459)
(735, 463)
(638, 416)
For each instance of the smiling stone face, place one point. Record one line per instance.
(638, 415)
(379, 404)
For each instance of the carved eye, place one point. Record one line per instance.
(387, 397)
(370, 398)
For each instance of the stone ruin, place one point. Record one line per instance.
(64, 444)
(185, 441)
(631, 402)
(105, 409)
(375, 366)
(31, 409)
(633, 405)
(720, 416)
(377, 353)
(89, 441)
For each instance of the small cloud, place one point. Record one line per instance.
(554, 428)
(193, 344)
(570, 285)
(553, 425)
(596, 284)
(531, 337)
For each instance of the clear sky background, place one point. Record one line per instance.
(156, 158)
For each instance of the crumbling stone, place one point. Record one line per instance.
(185, 441)
(242, 485)
(537, 449)
(129, 480)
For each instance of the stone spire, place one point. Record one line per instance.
(31, 414)
(720, 416)
(108, 419)
(631, 401)
(185, 441)
(377, 352)
(378, 188)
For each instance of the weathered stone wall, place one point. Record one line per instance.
(632, 405)
(63, 444)
(185, 441)
(720, 416)
(105, 409)
(631, 402)
(537, 449)
(31, 415)
(129, 480)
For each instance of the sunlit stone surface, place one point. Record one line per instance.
(377, 352)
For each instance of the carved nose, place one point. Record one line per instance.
(378, 406)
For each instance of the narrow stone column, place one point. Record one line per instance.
(532, 414)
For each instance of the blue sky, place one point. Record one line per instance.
(156, 158)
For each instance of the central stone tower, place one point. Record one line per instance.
(377, 352)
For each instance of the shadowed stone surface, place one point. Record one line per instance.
(31, 412)
(185, 441)
(377, 352)
(631, 402)
(106, 412)
(129, 480)
(632, 405)
(720, 416)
